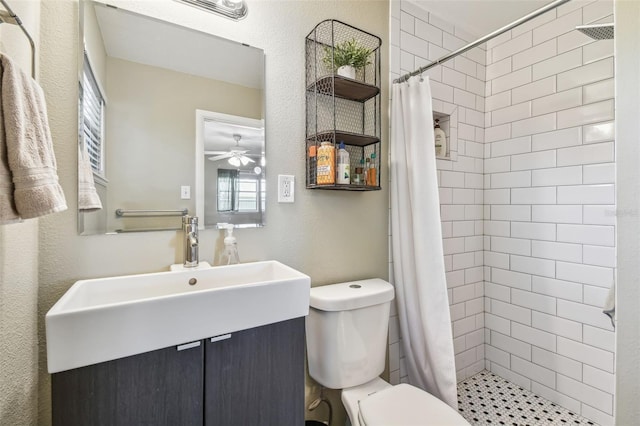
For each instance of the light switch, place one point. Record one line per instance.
(185, 192)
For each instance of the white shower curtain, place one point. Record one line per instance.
(419, 276)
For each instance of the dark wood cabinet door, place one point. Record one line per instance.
(256, 377)
(163, 387)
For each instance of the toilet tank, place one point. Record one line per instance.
(347, 332)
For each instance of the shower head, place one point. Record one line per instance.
(597, 31)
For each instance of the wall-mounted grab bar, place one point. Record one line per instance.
(146, 213)
(11, 18)
(122, 231)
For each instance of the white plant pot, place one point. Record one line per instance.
(347, 71)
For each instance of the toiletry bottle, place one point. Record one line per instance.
(367, 164)
(356, 178)
(344, 168)
(440, 140)
(326, 164)
(313, 171)
(231, 256)
(372, 175)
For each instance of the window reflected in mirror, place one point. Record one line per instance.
(230, 154)
(241, 191)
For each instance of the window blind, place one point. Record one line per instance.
(92, 118)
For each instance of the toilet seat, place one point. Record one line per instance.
(406, 405)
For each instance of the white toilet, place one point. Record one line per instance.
(346, 344)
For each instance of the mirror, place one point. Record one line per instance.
(230, 170)
(149, 89)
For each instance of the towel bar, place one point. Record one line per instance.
(143, 213)
(11, 18)
(122, 231)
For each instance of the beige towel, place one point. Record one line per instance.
(8, 212)
(28, 180)
(88, 199)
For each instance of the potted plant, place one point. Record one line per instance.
(347, 57)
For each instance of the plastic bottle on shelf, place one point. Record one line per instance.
(440, 140)
(356, 178)
(326, 164)
(367, 164)
(313, 172)
(372, 174)
(344, 168)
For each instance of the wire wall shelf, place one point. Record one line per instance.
(342, 108)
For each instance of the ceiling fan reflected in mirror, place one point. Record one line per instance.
(236, 155)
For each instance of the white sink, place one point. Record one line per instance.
(107, 318)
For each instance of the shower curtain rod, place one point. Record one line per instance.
(484, 39)
(16, 20)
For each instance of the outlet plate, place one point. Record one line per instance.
(286, 188)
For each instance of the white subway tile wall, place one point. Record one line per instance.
(533, 115)
(546, 324)
(458, 89)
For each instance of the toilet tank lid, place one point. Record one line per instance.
(351, 295)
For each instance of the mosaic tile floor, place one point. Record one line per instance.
(487, 399)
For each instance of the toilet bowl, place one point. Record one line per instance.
(346, 345)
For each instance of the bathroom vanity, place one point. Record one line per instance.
(215, 346)
(254, 377)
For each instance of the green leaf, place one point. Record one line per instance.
(349, 52)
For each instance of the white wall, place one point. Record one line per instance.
(627, 45)
(19, 270)
(418, 37)
(549, 209)
(330, 235)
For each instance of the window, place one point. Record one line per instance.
(92, 118)
(227, 184)
(251, 194)
(240, 191)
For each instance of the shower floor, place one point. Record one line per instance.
(489, 399)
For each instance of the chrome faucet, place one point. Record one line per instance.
(190, 228)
